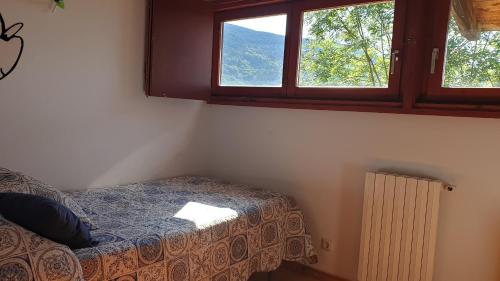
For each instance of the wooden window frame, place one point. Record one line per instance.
(391, 93)
(254, 12)
(293, 40)
(434, 91)
(191, 74)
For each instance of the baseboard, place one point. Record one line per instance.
(317, 274)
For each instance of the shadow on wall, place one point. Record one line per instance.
(350, 214)
(498, 251)
(75, 115)
(351, 203)
(108, 152)
(171, 151)
(412, 169)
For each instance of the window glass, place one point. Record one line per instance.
(347, 46)
(253, 52)
(472, 53)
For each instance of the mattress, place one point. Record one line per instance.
(190, 229)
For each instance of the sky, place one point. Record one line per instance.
(272, 24)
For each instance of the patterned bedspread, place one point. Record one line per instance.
(26, 256)
(190, 229)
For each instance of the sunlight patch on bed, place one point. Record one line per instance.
(204, 216)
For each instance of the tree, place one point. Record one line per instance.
(351, 46)
(472, 63)
(348, 46)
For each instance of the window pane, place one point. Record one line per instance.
(253, 52)
(347, 47)
(472, 54)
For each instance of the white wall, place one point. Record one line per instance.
(74, 112)
(321, 157)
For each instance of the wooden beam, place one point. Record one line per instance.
(463, 12)
(487, 14)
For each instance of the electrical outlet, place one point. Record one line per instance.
(326, 244)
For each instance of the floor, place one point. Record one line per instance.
(283, 274)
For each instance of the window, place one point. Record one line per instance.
(345, 52)
(347, 47)
(404, 56)
(465, 63)
(250, 51)
(349, 51)
(253, 52)
(472, 62)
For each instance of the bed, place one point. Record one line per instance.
(180, 229)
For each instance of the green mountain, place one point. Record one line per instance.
(251, 58)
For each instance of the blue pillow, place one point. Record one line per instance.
(46, 218)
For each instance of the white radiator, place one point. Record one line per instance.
(400, 219)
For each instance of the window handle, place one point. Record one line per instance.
(435, 53)
(394, 59)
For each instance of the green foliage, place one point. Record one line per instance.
(472, 63)
(348, 47)
(351, 47)
(251, 58)
(60, 3)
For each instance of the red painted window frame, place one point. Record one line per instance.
(367, 94)
(423, 22)
(290, 88)
(434, 92)
(260, 11)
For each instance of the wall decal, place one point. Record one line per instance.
(11, 47)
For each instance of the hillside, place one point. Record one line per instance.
(251, 57)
